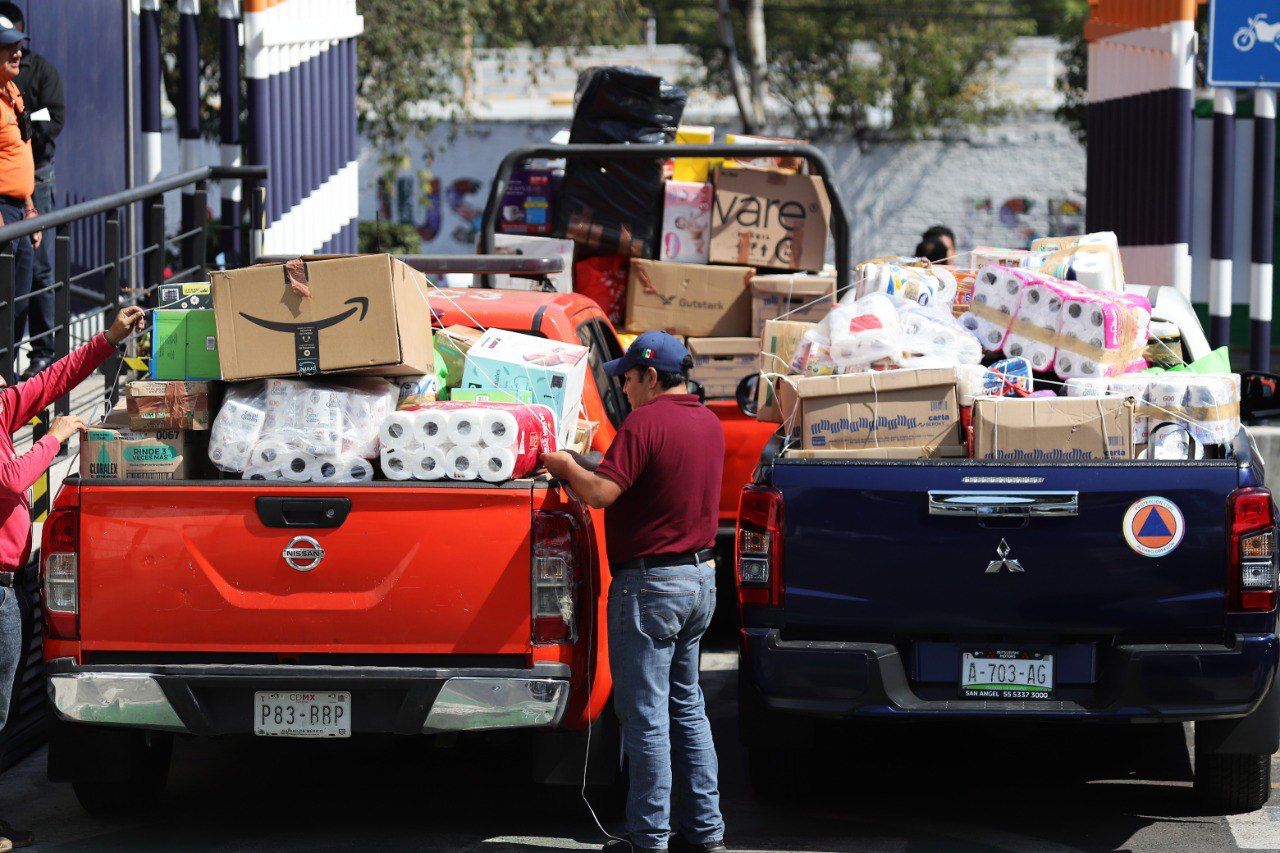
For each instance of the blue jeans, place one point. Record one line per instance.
(10, 647)
(40, 308)
(656, 621)
(22, 267)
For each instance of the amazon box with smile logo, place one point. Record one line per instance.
(323, 314)
(696, 300)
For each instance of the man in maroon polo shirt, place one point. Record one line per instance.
(659, 486)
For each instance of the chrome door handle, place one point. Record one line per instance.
(1004, 504)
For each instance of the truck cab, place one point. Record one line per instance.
(199, 608)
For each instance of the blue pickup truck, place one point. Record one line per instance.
(953, 588)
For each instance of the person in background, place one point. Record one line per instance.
(934, 250)
(41, 87)
(941, 234)
(18, 404)
(659, 486)
(17, 166)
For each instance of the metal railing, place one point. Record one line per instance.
(128, 274)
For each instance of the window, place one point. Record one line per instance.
(596, 336)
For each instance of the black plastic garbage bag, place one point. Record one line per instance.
(615, 207)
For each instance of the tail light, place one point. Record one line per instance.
(60, 573)
(758, 553)
(1251, 551)
(559, 560)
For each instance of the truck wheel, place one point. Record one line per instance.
(1232, 783)
(119, 771)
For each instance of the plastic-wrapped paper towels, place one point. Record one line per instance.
(466, 441)
(996, 291)
(313, 431)
(1101, 334)
(1207, 405)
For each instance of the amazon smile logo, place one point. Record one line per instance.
(357, 303)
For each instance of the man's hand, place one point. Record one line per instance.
(32, 213)
(599, 492)
(66, 426)
(558, 464)
(129, 320)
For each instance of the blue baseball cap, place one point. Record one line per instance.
(9, 32)
(655, 349)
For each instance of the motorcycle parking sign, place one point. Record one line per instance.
(1244, 44)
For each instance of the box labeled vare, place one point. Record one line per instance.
(1053, 429)
(770, 220)
(553, 372)
(719, 364)
(353, 314)
(891, 408)
(796, 296)
(696, 300)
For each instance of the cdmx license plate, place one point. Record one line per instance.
(1006, 674)
(302, 714)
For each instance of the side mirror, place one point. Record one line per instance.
(1259, 396)
(695, 387)
(745, 395)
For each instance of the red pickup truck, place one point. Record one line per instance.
(205, 608)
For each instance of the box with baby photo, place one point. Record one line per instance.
(686, 222)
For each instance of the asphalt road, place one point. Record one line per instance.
(980, 789)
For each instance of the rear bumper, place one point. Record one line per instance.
(218, 700)
(1144, 683)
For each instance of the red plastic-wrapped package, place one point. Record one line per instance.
(604, 279)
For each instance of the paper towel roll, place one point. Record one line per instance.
(431, 426)
(398, 464)
(499, 428)
(396, 431)
(269, 454)
(300, 466)
(463, 463)
(496, 464)
(464, 427)
(432, 463)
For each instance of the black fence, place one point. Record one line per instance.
(129, 270)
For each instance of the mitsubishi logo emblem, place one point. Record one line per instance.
(1002, 551)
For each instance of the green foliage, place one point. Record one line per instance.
(391, 237)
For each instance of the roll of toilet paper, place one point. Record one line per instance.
(499, 428)
(253, 473)
(300, 466)
(463, 462)
(230, 455)
(328, 469)
(431, 426)
(398, 464)
(1080, 386)
(995, 301)
(464, 427)
(397, 431)
(432, 463)
(497, 464)
(354, 469)
(269, 454)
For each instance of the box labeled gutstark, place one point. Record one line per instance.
(891, 408)
(697, 300)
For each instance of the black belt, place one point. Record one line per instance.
(658, 561)
(7, 578)
(13, 200)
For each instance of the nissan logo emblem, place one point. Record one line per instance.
(303, 553)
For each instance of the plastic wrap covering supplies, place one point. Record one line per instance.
(467, 441)
(1008, 378)
(1213, 408)
(1137, 386)
(1033, 332)
(927, 333)
(1101, 334)
(1091, 259)
(604, 279)
(863, 332)
(995, 299)
(302, 431)
(613, 207)
(964, 292)
(929, 286)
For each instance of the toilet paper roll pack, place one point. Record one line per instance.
(996, 290)
(1101, 334)
(863, 332)
(525, 431)
(1034, 330)
(927, 333)
(1137, 386)
(932, 287)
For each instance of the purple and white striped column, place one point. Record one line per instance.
(229, 123)
(188, 108)
(1221, 248)
(149, 85)
(1263, 220)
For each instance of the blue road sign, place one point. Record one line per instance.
(1244, 44)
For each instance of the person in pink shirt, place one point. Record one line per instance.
(18, 404)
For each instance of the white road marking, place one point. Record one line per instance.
(718, 661)
(1258, 830)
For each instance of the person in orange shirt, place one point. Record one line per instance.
(17, 163)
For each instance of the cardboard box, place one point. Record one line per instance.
(720, 363)
(366, 314)
(489, 395)
(196, 295)
(747, 161)
(694, 169)
(554, 372)
(800, 297)
(891, 408)
(686, 222)
(769, 219)
(697, 300)
(779, 343)
(1053, 429)
(945, 451)
(156, 405)
(111, 450)
(527, 203)
(535, 247)
(583, 435)
(184, 344)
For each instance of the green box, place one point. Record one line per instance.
(488, 395)
(184, 344)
